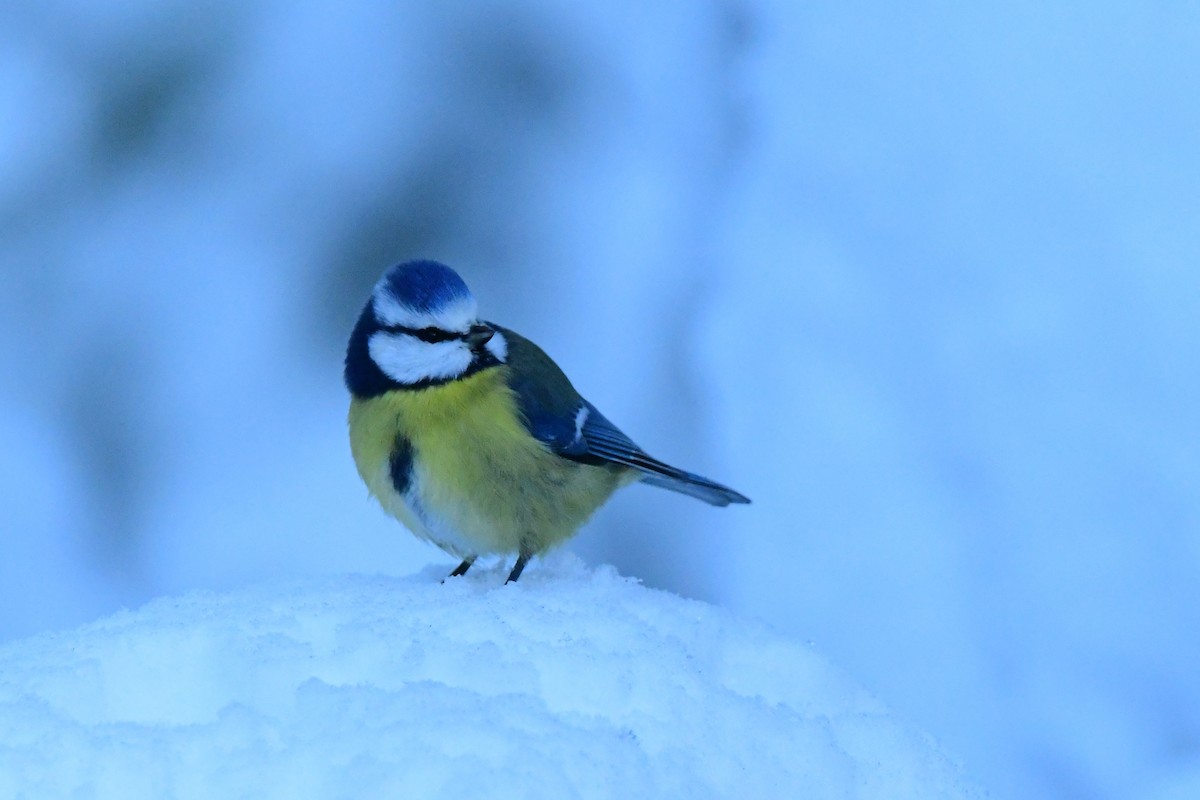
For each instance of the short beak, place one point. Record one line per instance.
(479, 335)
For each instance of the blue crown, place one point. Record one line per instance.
(425, 285)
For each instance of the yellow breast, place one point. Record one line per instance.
(479, 482)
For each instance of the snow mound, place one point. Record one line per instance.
(572, 683)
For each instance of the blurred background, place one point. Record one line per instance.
(921, 281)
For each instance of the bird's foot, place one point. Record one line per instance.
(461, 569)
(519, 567)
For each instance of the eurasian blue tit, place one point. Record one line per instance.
(471, 436)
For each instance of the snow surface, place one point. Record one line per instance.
(572, 683)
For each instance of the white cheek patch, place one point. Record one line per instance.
(456, 315)
(407, 360)
(498, 347)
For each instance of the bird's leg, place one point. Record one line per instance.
(462, 568)
(519, 567)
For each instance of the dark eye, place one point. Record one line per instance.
(431, 335)
(434, 335)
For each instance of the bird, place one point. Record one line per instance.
(471, 436)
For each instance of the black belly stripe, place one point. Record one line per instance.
(400, 464)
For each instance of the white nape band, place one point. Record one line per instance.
(407, 360)
(498, 347)
(456, 315)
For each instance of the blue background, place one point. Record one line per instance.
(921, 282)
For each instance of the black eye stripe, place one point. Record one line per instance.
(431, 335)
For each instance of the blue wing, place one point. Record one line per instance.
(556, 415)
(599, 438)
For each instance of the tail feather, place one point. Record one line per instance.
(694, 485)
(602, 440)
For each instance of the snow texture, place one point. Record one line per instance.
(572, 683)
